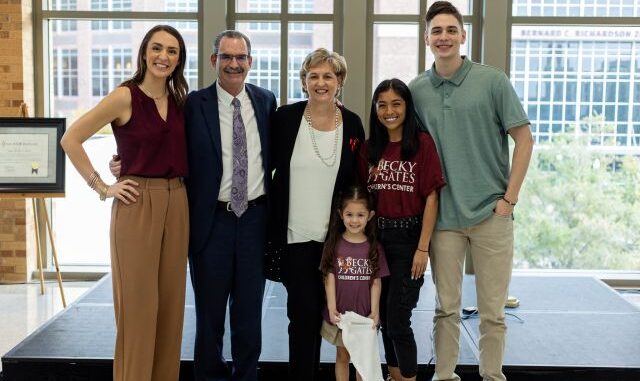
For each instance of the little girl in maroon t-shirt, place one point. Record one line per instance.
(352, 263)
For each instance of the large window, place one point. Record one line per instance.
(182, 6)
(296, 57)
(308, 25)
(573, 63)
(266, 69)
(85, 63)
(584, 77)
(140, 7)
(110, 5)
(109, 68)
(579, 83)
(121, 67)
(191, 70)
(65, 72)
(98, 62)
(402, 24)
(577, 8)
(100, 72)
(64, 25)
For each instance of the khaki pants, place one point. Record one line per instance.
(149, 242)
(491, 246)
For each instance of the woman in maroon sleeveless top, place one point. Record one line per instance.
(149, 220)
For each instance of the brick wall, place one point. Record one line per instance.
(11, 58)
(17, 257)
(13, 245)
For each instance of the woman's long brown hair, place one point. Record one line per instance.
(176, 83)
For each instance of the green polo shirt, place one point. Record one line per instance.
(468, 117)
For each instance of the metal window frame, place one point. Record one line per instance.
(43, 91)
(475, 19)
(284, 18)
(565, 21)
(558, 21)
(41, 17)
(491, 21)
(625, 278)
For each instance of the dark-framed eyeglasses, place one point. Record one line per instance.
(240, 58)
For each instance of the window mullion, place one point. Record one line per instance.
(338, 26)
(422, 27)
(284, 51)
(477, 24)
(119, 15)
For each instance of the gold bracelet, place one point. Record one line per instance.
(93, 179)
(96, 183)
(102, 189)
(103, 192)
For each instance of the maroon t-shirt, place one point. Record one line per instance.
(402, 186)
(353, 274)
(148, 145)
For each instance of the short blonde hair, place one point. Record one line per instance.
(319, 57)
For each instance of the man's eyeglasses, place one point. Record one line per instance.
(240, 58)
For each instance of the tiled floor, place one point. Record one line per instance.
(23, 309)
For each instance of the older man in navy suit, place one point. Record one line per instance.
(228, 139)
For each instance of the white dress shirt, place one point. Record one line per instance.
(255, 177)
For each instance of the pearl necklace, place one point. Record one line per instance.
(330, 160)
(147, 93)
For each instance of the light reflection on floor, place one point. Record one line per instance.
(23, 309)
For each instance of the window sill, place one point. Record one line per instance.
(74, 273)
(615, 279)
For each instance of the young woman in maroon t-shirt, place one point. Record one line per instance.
(400, 165)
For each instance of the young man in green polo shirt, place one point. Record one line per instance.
(470, 109)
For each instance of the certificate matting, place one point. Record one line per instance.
(31, 158)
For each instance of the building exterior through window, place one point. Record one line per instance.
(574, 79)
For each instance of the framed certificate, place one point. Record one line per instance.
(31, 158)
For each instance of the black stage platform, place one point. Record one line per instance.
(571, 328)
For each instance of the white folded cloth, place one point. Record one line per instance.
(361, 341)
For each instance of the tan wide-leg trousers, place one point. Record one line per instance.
(149, 242)
(491, 246)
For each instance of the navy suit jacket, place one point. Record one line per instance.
(204, 152)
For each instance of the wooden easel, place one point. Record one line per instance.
(38, 206)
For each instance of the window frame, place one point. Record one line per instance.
(284, 18)
(41, 50)
(67, 76)
(491, 21)
(569, 21)
(475, 19)
(615, 278)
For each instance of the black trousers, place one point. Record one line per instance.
(398, 299)
(230, 270)
(305, 300)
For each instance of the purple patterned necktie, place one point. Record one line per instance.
(240, 162)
